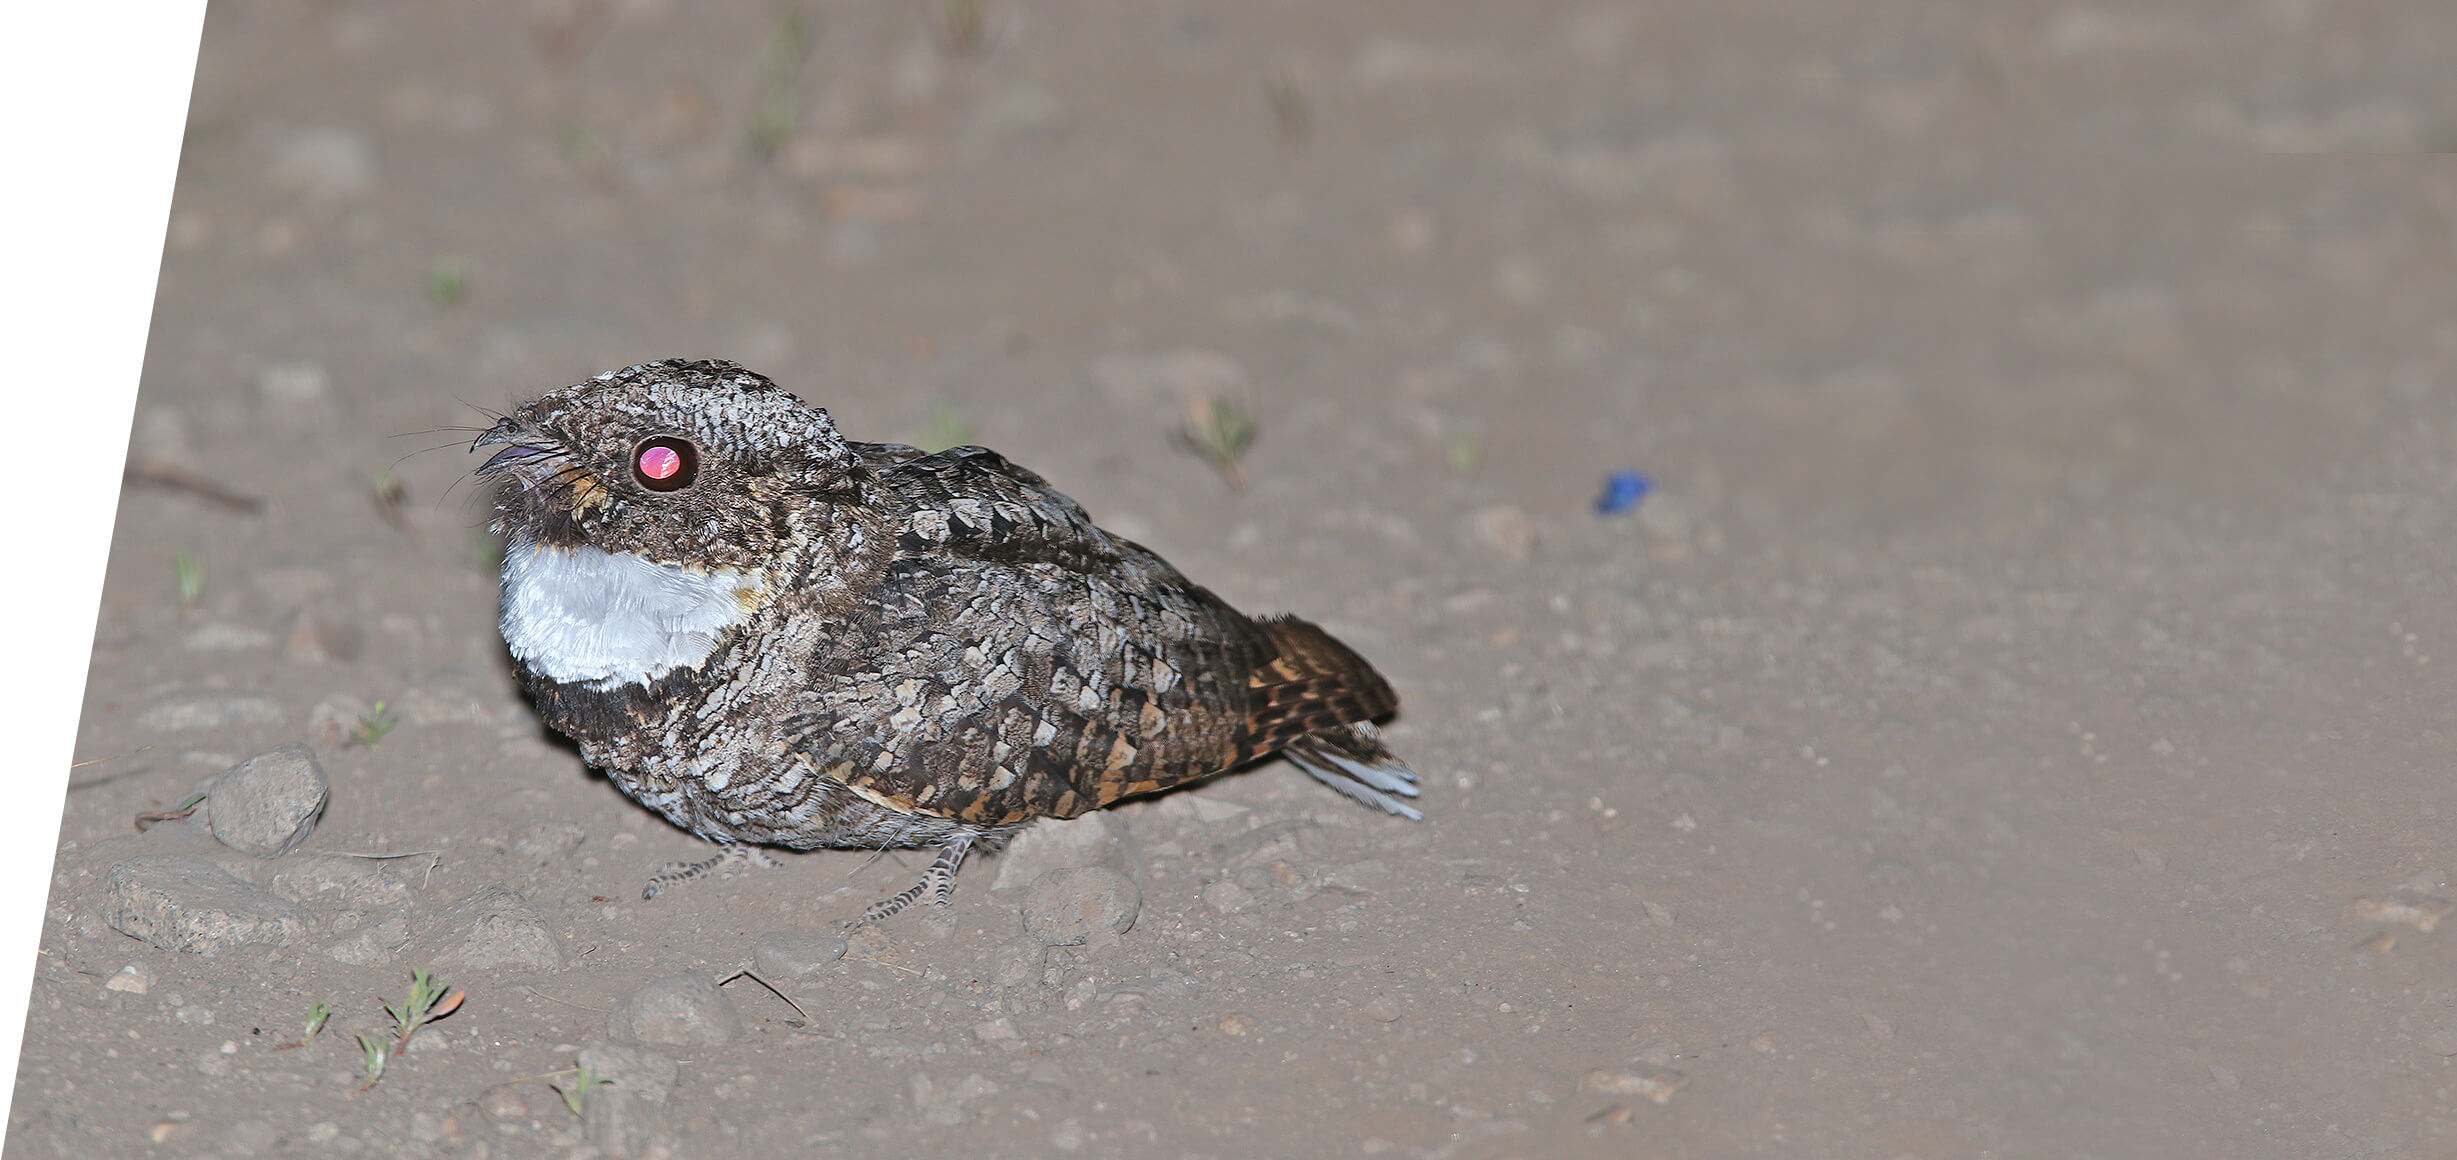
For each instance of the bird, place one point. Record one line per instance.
(774, 636)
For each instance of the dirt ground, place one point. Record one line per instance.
(2010, 728)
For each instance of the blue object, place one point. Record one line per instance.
(1622, 491)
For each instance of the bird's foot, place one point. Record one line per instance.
(938, 882)
(728, 858)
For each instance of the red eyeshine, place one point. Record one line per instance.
(660, 462)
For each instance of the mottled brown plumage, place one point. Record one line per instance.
(772, 635)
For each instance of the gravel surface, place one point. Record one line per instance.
(2008, 725)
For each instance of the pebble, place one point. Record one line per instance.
(314, 640)
(1227, 897)
(269, 803)
(1504, 529)
(1071, 907)
(544, 843)
(325, 164)
(494, 927)
(1385, 1008)
(1052, 846)
(135, 979)
(1645, 1081)
(182, 903)
(178, 712)
(944, 1104)
(2422, 912)
(324, 880)
(216, 636)
(784, 956)
(685, 1010)
(622, 1117)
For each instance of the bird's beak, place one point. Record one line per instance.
(520, 450)
(504, 431)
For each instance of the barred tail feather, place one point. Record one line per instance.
(1353, 760)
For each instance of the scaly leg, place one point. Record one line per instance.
(728, 856)
(938, 881)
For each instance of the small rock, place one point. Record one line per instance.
(1050, 846)
(335, 718)
(182, 903)
(285, 385)
(314, 640)
(194, 1015)
(944, 1104)
(328, 880)
(1070, 907)
(784, 956)
(1000, 1030)
(622, 1117)
(325, 164)
(685, 1010)
(1504, 529)
(1017, 964)
(179, 712)
(544, 843)
(215, 636)
(269, 803)
(373, 945)
(494, 927)
(1645, 1081)
(137, 978)
(505, 1104)
(1227, 897)
(1385, 1008)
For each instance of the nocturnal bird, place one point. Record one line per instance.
(772, 635)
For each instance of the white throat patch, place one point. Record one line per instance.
(586, 614)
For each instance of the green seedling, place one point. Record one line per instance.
(584, 1084)
(316, 1017)
(583, 145)
(1292, 116)
(779, 111)
(191, 574)
(373, 725)
(963, 26)
(1465, 452)
(947, 429)
(371, 1058)
(1219, 429)
(428, 1001)
(448, 281)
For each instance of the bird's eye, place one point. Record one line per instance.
(665, 463)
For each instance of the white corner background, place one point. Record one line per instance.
(93, 103)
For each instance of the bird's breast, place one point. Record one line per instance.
(585, 615)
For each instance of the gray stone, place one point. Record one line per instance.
(495, 928)
(324, 881)
(178, 712)
(685, 1010)
(622, 1115)
(183, 903)
(1070, 907)
(1503, 528)
(325, 164)
(544, 843)
(785, 956)
(1049, 846)
(269, 803)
